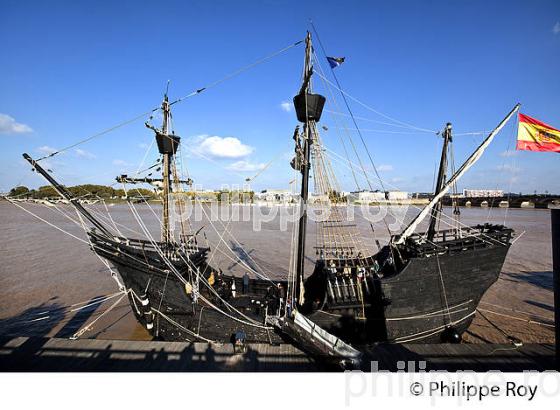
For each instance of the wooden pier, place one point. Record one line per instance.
(91, 355)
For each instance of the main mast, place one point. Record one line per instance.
(308, 109)
(440, 181)
(167, 145)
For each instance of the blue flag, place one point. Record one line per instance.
(335, 61)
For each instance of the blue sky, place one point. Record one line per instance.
(71, 69)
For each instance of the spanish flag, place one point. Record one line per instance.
(534, 135)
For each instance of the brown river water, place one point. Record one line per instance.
(44, 271)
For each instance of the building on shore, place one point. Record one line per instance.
(377, 196)
(365, 197)
(397, 196)
(275, 196)
(483, 193)
(422, 195)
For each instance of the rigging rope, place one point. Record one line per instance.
(192, 94)
(113, 273)
(353, 120)
(265, 167)
(250, 322)
(377, 121)
(75, 307)
(347, 134)
(47, 222)
(530, 321)
(122, 124)
(551, 319)
(490, 240)
(237, 72)
(349, 111)
(381, 131)
(374, 110)
(88, 327)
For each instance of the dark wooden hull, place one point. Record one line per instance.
(163, 304)
(422, 299)
(203, 321)
(417, 304)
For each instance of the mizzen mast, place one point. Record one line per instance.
(440, 181)
(475, 156)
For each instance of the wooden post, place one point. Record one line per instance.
(555, 226)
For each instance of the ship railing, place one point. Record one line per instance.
(169, 250)
(146, 244)
(457, 240)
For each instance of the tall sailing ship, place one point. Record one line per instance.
(419, 287)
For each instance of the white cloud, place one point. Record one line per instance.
(509, 153)
(84, 154)
(508, 168)
(556, 28)
(286, 106)
(385, 168)
(120, 163)
(45, 149)
(245, 166)
(8, 125)
(218, 147)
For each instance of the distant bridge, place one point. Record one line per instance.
(511, 201)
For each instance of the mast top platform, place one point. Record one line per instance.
(309, 106)
(167, 144)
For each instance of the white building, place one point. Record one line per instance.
(397, 195)
(275, 195)
(367, 196)
(483, 193)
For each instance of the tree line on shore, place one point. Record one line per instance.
(91, 191)
(81, 191)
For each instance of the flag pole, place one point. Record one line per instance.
(555, 228)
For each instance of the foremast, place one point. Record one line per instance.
(165, 231)
(167, 146)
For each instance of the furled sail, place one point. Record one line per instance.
(475, 156)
